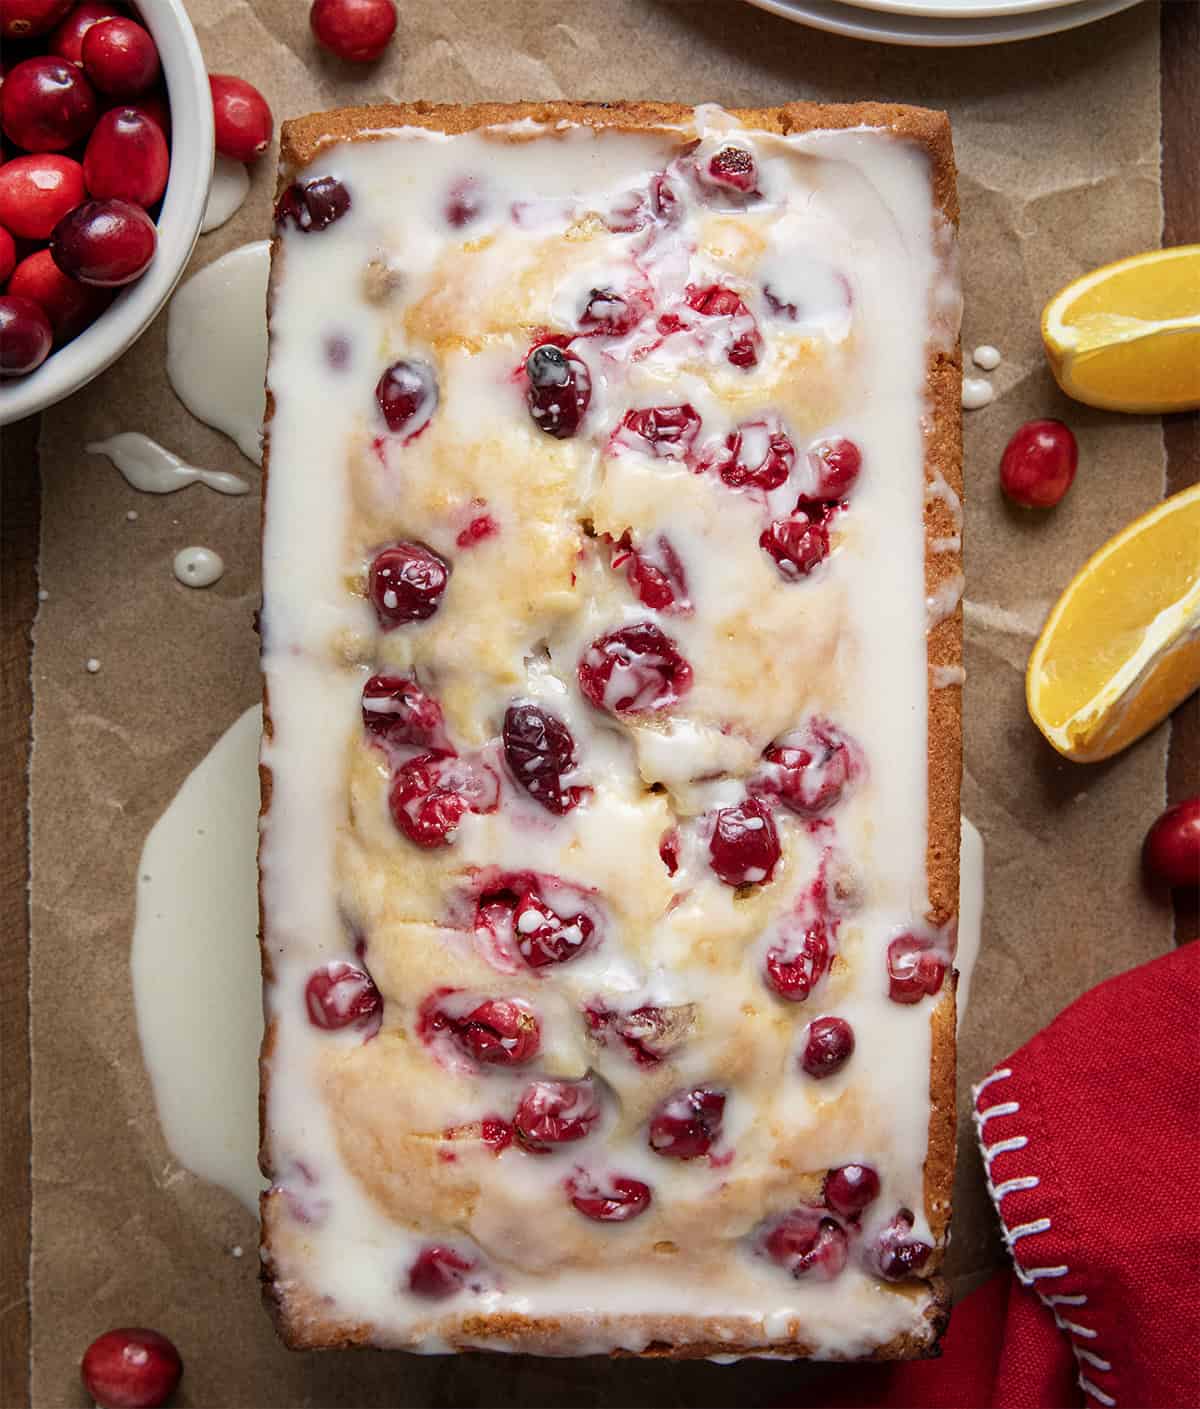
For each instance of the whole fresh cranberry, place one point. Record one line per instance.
(611, 1198)
(552, 1113)
(666, 432)
(37, 191)
(25, 19)
(67, 39)
(794, 966)
(851, 1188)
(8, 254)
(809, 771)
(131, 1368)
(1039, 463)
(242, 123)
(915, 968)
(119, 57)
(897, 1255)
(154, 107)
(406, 583)
(540, 750)
(758, 455)
(107, 243)
(716, 301)
(807, 1242)
(798, 544)
(648, 1033)
(732, 170)
(635, 670)
(502, 1032)
(69, 305)
(744, 847)
(407, 395)
(432, 793)
(560, 388)
(1171, 851)
(688, 1124)
(611, 314)
(655, 573)
(313, 205)
(25, 336)
(396, 710)
(341, 995)
(357, 30)
(835, 465)
(828, 1047)
(127, 156)
(439, 1272)
(47, 105)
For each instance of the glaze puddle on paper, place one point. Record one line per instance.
(154, 469)
(226, 192)
(195, 961)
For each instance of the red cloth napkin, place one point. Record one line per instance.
(1091, 1138)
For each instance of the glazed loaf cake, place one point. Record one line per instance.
(612, 745)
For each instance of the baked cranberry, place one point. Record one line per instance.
(648, 1033)
(732, 169)
(827, 1047)
(807, 1242)
(107, 243)
(609, 1198)
(798, 544)
(406, 584)
(481, 527)
(464, 204)
(655, 574)
(497, 1032)
(543, 936)
(1171, 851)
(68, 37)
(553, 1113)
(495, 1133)
(131, 1368)
(634, 670)
(794, 966)
(119, 57)
(127, 156)
(37, 191)
(357, 30)
(397, 710)
(809, 771)
(835, 465)
(23, 19)
(666, 432)
(744, 847)
(851, 1188)
(47, 105)
(243, 127)
(1039, 463)
(8, 254)
(668, 849)
(560, 387)
(611, 314)
(432, 793)
(687, 1124)
(716, 301)
(25, 336)
(544, 919)
(664, 198)
(896, 1255)
(915, 968)
(313, 205)
(340, 995)
(69, 305)
(439, 1272)
(758, 455)
(540, 750)
(407, 395)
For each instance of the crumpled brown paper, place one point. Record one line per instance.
(1058, 148)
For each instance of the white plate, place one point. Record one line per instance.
(940, 29)
(959, 9)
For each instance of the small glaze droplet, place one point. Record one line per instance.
(43, 595)
(976, 392)
(198, 567)
(154, 469)
(987, 357)
(93, 665)
(132, 515)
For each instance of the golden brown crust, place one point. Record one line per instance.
(302, 1321)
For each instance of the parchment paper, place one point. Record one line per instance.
(1058, 149)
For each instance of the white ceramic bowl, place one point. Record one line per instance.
(123, 322)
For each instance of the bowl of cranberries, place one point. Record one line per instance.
(106, 150)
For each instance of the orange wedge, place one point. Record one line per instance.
(1122, 646)
(1127, 337)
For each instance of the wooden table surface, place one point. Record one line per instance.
(19, 518)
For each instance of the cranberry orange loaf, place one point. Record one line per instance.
(611, 763)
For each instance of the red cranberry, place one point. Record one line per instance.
(406, 584)
(810, 773)
(611, 314)
(829, 1046)
(356, 30)
(495, 1133)
(8, 254)
(544, 919)
(851, 1188)
(119, 57)
(655, 574)
(68, 37)
(1038, 465)
(107, 243)
(648, 1033)
(23, 19)
(635, 670)
(131, 1368)
(313, 205)
(560, 387)
(609, 1199)
(1171, 851)
(668, 849)
(715, 301)
(688, 1124)
(127, 156)
(464, 204)
(732, 169)
(744, 847)
(439, 1272)
(243, 125)
(664, 198)
(666, 432)
(69, 305)
(798, 544)
(396, 709)
(154, 107)
(758, 454)
(407, 394)
(915, 970)
(340, 995)
(793, 971)
(807, 1242)
(539, 749)
(25, 336)
(37, 191)
(47, 105)
(497, 1032)
(431, 794)
(484, 526)
(897, 1256)
(835, 465)
(543, 936)
(555, 1113)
